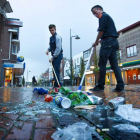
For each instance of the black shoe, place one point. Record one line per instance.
(118, 90)
(97, 88)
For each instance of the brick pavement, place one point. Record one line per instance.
(41, 126)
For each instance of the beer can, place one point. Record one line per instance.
(114, 103)
(63, 102)
(96, 100)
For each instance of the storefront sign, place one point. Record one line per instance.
(17, 23)
(20, 59)
(7, 80)
(8, 65)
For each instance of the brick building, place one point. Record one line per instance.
(11, 69)
(129, 56)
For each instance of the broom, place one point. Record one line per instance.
(80, 86)
(54, 73)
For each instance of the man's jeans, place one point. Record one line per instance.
(56, 64)
(108, 51)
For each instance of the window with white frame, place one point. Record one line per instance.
(67, 72)
(77, 60)
(131, 51)
(14, 49)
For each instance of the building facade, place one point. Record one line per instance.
(77, 64)
(11, 68)
(66, 73)
(129, 53)
(89, 75)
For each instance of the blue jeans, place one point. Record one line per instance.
(56, 64)
(108, 51)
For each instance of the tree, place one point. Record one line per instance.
(40, 79)
(96, 68)
(118, 57)
(72, 72)
(23, 81)
(82, 68)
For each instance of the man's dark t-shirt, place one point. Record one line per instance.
(107, 25)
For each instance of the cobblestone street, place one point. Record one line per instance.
(25, 115)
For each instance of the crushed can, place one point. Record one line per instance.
(63, 102)
(114, 103)
(96, 100)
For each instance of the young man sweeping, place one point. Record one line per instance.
(56, 52)
(108, 51)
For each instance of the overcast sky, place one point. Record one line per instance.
(65, 14)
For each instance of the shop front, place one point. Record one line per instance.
(89, 78)
(12, 74)
(130, 73)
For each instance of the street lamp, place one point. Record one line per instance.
(76, 37)
(27, 75)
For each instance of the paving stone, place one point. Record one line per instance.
(2, 133)
(6, 123)
(10, 116)
(44, 122)
(24, 133)
(43, 134)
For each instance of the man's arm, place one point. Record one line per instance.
(48, 50)
(97, 39)
(58, 47)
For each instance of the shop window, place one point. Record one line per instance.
(14, 49)
(67, 72)
(77, 60)
(131, 51)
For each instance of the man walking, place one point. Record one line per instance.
(56, 52)
(108, 51)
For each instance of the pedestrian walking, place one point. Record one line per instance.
(33, 81)
(56, 52)
(109, 45)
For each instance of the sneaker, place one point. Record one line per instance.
(97, 88)
(56, 89)
(117, 90)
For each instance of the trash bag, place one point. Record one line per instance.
(64, 90)
(126, 127)
(77, 131)
(48, 98)
(40, 91)
(128, 113)
(35, 90)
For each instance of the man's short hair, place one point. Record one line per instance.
(52, 26)
(97, 6)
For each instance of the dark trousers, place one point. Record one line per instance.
(108, 51)
(56, 64)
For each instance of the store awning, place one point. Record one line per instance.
(66, 77)
(130, 63)
(18, 68)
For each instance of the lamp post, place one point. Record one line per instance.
(27, 75)
(76, 37)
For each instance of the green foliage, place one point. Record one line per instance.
(72, 72)
(82, 67)
(64, 91)
(23, 81)
(118, 57)
(78, 98)
(40, 79)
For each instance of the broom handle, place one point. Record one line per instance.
(80, 86)
(54, 72)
